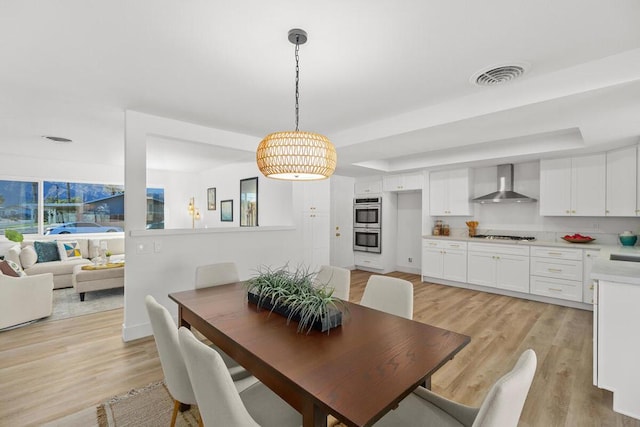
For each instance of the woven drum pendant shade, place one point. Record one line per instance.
(296, 155)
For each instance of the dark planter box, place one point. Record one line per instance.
(334, 320)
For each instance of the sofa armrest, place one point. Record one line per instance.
(25, 298)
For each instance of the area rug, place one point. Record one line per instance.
(66, 302)
(149, 406)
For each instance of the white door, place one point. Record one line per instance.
(341, 224)
(621, 182)
(555, 187)
(431, 261)
(513, 272)
(455, 265)
(588, 185)
(481, 269)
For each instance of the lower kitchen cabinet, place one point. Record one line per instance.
(498, 266)
(444, 259)
(557, 273)
(368, 260)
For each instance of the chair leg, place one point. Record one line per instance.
(174, 416)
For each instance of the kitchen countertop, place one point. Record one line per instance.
(562, 244)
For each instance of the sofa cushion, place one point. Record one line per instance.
(13, 254)
(47, 251)
(6, 269)
(69, 250)
(58, 268)
(28, 256)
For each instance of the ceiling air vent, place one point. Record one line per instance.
(498, 75)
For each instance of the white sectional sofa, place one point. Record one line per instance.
(62, 270)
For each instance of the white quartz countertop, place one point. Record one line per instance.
(616, 271)
(592, 245)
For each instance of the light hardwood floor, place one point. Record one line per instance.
(53, 369)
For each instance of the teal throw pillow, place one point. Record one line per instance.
(47, 251)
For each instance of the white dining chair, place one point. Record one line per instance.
(219, 403)
(501, 407)
(334, 277)
(215, 275)
(389, 294)
(175, 372)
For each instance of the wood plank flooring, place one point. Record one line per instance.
(53, 369)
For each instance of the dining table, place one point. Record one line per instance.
(355, 372)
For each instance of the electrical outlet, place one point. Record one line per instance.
(410, 259)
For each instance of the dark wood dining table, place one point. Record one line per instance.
(357, 372)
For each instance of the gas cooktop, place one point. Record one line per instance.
(501, 237)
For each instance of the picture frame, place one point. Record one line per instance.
(249, 202)
(226, 210)
(211, 199)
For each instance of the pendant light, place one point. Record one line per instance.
(296, 155)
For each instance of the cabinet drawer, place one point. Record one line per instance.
(551, 252)
(444, 244)
(558, 268)
(364, 259)
(557, 288)
(497, 248)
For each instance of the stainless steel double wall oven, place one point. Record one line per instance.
(367, 224)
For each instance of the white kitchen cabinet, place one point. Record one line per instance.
(368, 186)
(450, 193)
(573, 186)
(557, 273)
(315, 222)
(499, 266)
(444, 259)
(368, 260)
(587, 281)
(405, 182)
(622, 188)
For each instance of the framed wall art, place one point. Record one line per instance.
(211, 199)
(226, 210)
(249, 202)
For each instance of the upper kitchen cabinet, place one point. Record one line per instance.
(573, 186)
(622, 184)
(406, 182)
(369, 186)
(450, 193)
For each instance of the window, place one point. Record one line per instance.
(71, 207)
(19, 206)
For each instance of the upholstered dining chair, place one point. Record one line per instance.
(216, 275)
(334, 277)
(501, 407)
(389, 294)
(219, 402)
(175, 372)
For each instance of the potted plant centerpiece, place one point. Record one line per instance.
(295, 295)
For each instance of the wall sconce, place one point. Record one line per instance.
(193, 212)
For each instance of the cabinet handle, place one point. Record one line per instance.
(455, 246)
(554, 253)
(573, 211)
(588, 255)
(337, 234)
(591, 288)
(567, 212)
(555, 270)
(555, 289)
(607, 211)
(433, 244)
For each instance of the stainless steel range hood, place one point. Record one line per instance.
(505, 193)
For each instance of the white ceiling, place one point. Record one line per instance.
(387, 81)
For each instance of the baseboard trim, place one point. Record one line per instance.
(130, 333)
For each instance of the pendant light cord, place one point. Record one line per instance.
(297, 81)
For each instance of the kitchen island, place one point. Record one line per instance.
(616, 348)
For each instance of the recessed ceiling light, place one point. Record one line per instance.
(498, 75)
(57, 139)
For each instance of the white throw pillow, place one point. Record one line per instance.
(69, 250)
(28, 256)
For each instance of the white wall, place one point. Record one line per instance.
(409, 242)
(163, 261)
